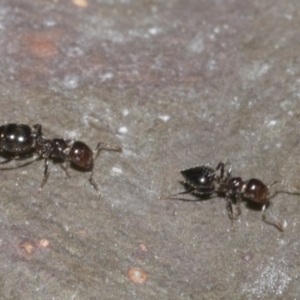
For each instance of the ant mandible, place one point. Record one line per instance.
(21, 141)
(205, 181)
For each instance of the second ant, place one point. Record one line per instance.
(21, 141)
(204, 182)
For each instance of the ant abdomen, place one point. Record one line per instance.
(16, 138)
(256, 191)
(201, 178)
(81, 155)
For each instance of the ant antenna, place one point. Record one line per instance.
(173, 195)
(280, 226)
(103, 146)
(273, 183)
(287, 184)
(28, 161)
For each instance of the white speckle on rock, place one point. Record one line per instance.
(116, 170)
(123, 129)
(74, 52)
(258, 70)
(217, 30)
(49, 23)
(154, 30)
(272, 123)
(197, 44)
(263, 70)
(165, 118)
(106, 76)
(71, 81)
(125, 112)
(288, 16)
(211, 64)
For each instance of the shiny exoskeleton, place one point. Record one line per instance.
(21, 141)
(206, 182)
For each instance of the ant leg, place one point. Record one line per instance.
(46, 173)
(221, 167)
(273, 183)
(230, 210)
(229, 172)
(274, 223)
(101, 146)
(38, 129)
(66, 169)
(238, 204)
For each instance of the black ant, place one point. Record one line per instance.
(204, 181)
(21, 141)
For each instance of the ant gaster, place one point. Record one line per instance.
(21, 141)
(205, 182)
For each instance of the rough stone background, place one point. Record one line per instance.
(176, 83)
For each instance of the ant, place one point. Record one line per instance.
(205, 181)
(21, 141)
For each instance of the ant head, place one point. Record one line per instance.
(81, 155)
(256, 191)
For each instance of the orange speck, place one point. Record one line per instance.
(140, 252)
(137, 275)
(80, 3)
(43, 243)
(28, 247)
(82, 233)
(143, 247)
(40, 44)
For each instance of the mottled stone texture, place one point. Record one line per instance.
(175, 83)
